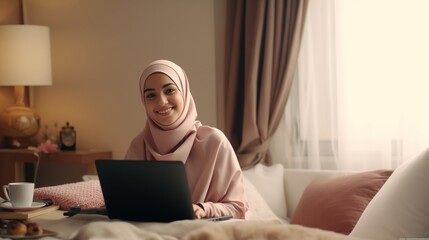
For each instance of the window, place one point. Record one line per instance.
(360, 99)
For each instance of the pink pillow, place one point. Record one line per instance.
(336, 204)
(86, 194)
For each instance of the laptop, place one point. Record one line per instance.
(146, 190)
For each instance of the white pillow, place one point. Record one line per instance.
(258, 208)
(401, 208)
(269, 182)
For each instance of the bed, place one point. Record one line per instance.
(298, 204)
(262, 223)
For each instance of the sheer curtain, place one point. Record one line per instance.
(360, 98)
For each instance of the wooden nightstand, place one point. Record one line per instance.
(12, 161)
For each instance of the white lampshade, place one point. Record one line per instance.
(25, 55)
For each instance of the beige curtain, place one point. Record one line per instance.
(264, 38)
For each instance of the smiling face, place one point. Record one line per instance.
(162, 99)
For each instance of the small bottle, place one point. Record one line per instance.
(68, 138)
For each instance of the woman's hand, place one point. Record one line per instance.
(199, 211)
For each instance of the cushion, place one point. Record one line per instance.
(86, 194)
(269, 182)
(401, 208)
(258, 207)
(336, 204)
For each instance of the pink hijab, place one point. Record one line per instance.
(173, 142)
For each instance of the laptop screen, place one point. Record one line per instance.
(145, 190)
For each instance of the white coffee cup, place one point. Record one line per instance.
(19, 194)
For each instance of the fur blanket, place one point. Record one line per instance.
(100, 227)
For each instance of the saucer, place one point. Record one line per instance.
(34, 205)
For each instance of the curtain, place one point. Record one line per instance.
(360, 98)
(264, 43)
(306, 134)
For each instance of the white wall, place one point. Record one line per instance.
(99, 49)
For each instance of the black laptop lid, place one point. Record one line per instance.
(143, 190)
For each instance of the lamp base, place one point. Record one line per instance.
(19, 122)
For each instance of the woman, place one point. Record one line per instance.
(172, 132)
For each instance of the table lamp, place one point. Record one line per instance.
(25, 60)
